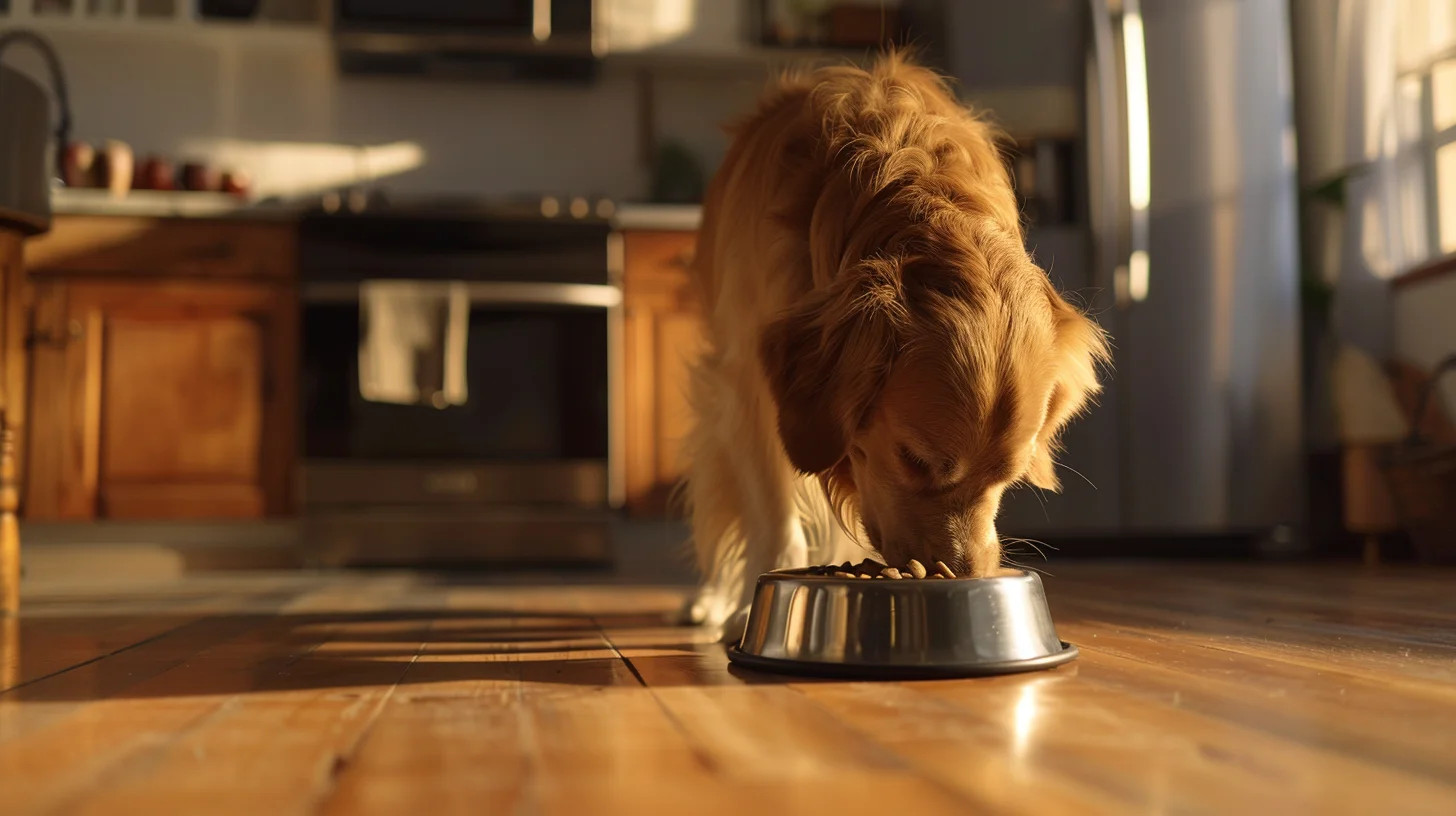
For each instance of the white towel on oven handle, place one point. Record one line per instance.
(415, 336)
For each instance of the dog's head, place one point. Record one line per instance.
(922, 383)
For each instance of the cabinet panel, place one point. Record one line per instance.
(199, 414)
(162, 400)
(663, 334)
(63, 449)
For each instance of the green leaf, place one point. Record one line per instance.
(1332, 190)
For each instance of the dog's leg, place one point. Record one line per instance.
(714, 501)
(773, 535)
(740, 487)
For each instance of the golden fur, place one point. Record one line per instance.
(882, 351)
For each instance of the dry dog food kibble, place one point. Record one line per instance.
(870, 568)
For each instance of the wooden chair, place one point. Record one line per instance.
(9, 523)
(12, 364)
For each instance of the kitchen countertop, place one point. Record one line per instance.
(1200, 688)
(666, 217)
(152, 204)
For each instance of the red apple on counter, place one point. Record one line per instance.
(155, 174)
(200, 178)
(236, 183)
(77, 163)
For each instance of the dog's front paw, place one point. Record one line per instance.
(693, 612)
(733, 628)
(723, 619)
(706, 607)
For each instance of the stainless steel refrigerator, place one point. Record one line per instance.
(1185, 248)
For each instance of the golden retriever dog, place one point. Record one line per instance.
(884, 359)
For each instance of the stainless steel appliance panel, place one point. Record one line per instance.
(1194, 272)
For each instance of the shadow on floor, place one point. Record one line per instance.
(159, 656)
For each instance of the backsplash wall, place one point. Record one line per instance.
(220, 93)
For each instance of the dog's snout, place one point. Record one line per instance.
(965, 540)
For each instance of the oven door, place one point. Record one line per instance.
(526, 470)
(539, 427)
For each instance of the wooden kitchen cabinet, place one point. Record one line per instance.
(664, 332)
(164, 358)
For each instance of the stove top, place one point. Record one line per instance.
(541, 207)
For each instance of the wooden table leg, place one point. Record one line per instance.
(9, 525)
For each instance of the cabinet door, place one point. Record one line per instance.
(663, 335)
(161, 400)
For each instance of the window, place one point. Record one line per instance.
(1426, 59)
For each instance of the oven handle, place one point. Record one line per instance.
(1105, 155)
(541, 20)
(512, 293)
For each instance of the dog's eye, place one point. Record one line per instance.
(914, 462)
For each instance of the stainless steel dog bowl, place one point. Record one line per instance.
(883, 628)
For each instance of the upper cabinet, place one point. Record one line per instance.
(163, 355)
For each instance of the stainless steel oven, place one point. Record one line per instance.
(522, 462)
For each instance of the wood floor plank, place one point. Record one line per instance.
(515, 726)
(982, 755)
(70, 733)
(1418, 603)
(1166, 758)
(1278, 612)
(1420, 592)
(1352, 716)
(764, 735)
(274, 749)
(62, 734)
(61, 632)
(40, 647)
(1369, 656)
(1201, 689)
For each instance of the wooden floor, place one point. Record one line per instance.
(1199, 690)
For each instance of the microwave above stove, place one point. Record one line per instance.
(518, 39)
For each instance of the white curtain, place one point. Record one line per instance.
(1359, 98)
(1381, 47)
(1384, 47)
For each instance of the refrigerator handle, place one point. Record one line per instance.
(1104, 154)
(1139, 158)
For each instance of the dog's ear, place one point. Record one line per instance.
(827, 358)
(1081, 345)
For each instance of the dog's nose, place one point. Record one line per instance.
(976, 550)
